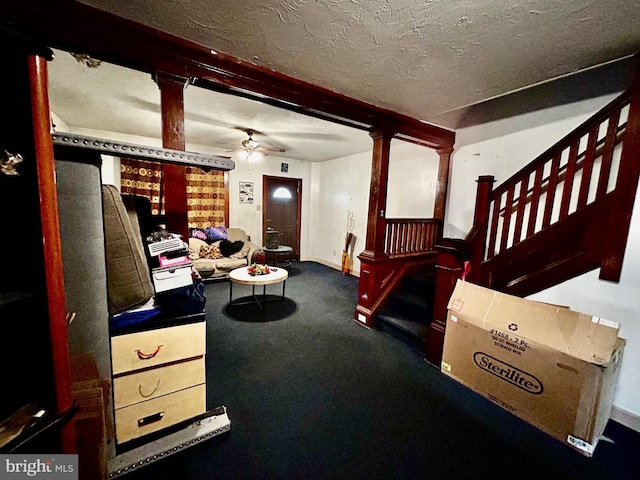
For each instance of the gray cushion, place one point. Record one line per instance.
(128, 279)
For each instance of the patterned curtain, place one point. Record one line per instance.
(140, 177)
(206, 198)
(206, 195)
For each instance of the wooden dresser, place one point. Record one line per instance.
(158, 377)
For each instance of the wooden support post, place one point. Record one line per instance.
(374, 244)
(370, 272)
(52, 244)
(439, 208)
(174, 177)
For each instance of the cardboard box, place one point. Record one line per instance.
(551, 366)
(172, 277)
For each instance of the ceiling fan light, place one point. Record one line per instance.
(253, 157)
(250, 144)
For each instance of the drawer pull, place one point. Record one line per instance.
(147, 396)
(156, 417)
(147, 356)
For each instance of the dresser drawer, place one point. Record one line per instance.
(155, 347)
(147, 384)
(147, 417)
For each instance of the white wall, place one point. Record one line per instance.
(413, 178)
(249, 216)
(340, 186)
(503, 155)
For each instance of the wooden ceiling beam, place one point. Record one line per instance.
(79, 28)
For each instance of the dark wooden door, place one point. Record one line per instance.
(282, 200)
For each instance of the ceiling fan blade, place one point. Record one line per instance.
(271, 149)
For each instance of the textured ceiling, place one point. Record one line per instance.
(428, 59)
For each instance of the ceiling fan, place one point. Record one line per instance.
(250, 146)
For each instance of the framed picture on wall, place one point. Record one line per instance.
(246, 192)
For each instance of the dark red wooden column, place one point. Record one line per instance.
(439, 208)
(174, 176)
(374, 244)
(52, 244)
(373, 267)
(477, 238)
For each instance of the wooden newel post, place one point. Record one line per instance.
(448, 270)
(478, 235)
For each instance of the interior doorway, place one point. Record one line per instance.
(282, 201)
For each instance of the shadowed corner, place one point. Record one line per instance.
(245, 309)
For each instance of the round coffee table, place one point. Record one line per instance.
(241, 276)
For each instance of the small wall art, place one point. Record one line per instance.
(246, 192)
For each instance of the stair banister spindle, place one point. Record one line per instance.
(607, 154)
(568, 180)
(587, 166)
(535, 201)
(506, 222)
(551, 190)
(522, 200)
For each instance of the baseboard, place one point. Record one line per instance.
(335, 266)
(626, 418)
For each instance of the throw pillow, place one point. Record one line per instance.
(210, 251)
(228, 248)
(243, 252)
(197, 233)
(216, 233)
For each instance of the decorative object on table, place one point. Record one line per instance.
(246, 192)
(271, 239)
(256, 269)
(346, 267)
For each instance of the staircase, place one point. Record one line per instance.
(565, 213)
(409, 309)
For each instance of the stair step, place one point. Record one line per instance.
(422, 283)
(411, 305)
(410, 327)
(413, 334)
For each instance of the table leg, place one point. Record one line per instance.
(264, 298)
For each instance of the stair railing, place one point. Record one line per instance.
(407, 236)
(577, 171)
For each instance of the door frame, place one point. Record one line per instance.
(265, 179)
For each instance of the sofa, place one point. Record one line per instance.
(217, 251)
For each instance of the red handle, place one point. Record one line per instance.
(147, 356)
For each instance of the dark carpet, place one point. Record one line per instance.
(311, 394)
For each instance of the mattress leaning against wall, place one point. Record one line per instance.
(85, 279)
